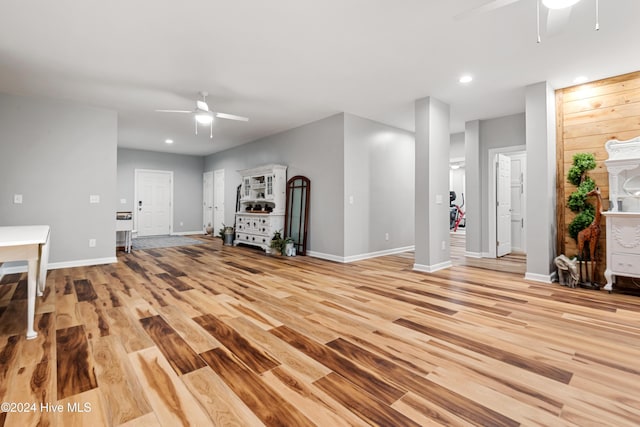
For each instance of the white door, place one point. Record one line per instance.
(207, 201)
(154, 193)
(518, 202)
(218, 200)
(503, 206)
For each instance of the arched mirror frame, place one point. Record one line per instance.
(297, 214)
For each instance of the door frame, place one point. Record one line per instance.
(523, 198)
(491, 199)
(218, 172)
(135, 196)
(204, 206)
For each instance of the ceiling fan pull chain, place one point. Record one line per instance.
(597, 16)
(538, 19)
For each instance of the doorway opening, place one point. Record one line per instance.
(506, 207)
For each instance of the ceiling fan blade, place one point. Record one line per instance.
(487, 7)
(231, 117)
(557, 19)
(174, 111)
(201, 105)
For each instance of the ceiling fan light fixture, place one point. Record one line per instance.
(204, 119)
(559, 4)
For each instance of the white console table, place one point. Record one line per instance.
(28, 243)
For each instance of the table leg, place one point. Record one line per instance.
(31, 297)
(42, 267)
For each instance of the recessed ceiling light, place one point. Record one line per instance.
(168, 141)
(580, 79)
(559, 4)
(466, 79)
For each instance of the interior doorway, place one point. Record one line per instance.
(218, 199)
(153, 212)
(510, 192)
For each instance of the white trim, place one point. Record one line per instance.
(22, 268)
(360, 257)
(135, 196)
(432, 268)
(328, 257)
(473, 254)
(544, 278)
(187, 233)
(491, 190)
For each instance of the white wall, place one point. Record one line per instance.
(187, 184)
(456, 146)
(315, 150)
(56, 154)
(379, 179)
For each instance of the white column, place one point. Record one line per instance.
(540, 226)
(432, 185)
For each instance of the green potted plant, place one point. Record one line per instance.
(577, 201)
(277, 243)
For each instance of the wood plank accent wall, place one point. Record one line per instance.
(587, 117)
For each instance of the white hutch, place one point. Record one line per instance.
(262, 205)
(623, 217)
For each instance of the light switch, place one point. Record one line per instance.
(350, 200)
(438, 199)
(94, 198)
(17, 199)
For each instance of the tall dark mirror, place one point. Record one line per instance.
(296, 221)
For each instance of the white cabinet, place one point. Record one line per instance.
(262, 205)
(623, 218)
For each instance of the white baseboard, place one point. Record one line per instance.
(360, 257)
(21, 268)
(187, 233)
(432, 268)
(328, 257)
(544, 278)
(473, 254)
(487, 255)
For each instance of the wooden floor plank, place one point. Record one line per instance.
(268, 405)
(74, 362)
(181, 357)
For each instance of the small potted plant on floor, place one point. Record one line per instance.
(277, 243)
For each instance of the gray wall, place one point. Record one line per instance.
(56, 154)
(314, 150)
(456, 147)
(501, 132)
(187, 183)
(379, 164)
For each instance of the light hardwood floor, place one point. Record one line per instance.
(210, 335)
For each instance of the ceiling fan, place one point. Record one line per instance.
(557, 15)
(204, 116)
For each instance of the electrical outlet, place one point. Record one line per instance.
(386, 236)
(94, 198)
(123, 201)
(181, 223)
(17, 199)
(444, 245)
(92, 243)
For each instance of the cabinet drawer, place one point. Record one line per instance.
(626, 264)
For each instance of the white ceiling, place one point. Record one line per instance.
(284, 63)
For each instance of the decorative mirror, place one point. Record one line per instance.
(632, 186)
(296, 222)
